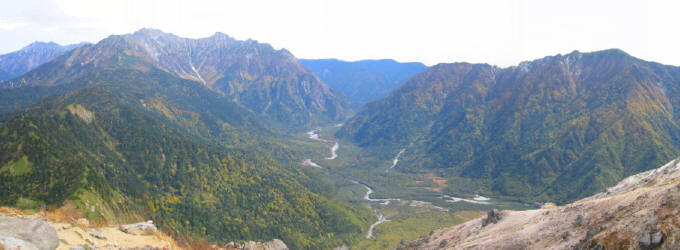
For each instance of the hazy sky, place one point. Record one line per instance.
(502, 32)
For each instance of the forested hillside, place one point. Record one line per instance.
(123, 139)
(269, 82)
(557, 128)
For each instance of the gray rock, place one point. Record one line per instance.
(492, 217)
(443, 243)
(27, 234)
(649, 240)
(7, 242)
(250, 245)
(97, 234)
(657, 238)
(142, 228)
(274, 244)
(579, 220)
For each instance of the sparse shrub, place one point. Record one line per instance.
(28, 204)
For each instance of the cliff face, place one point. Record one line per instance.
(641, 212)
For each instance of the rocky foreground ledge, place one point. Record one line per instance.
(641, 212)
(35, 233)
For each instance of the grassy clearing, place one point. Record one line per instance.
(18, 167)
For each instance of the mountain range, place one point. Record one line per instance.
(19, 62)
(554, 129)
(203, 137)
(365, 80)
(266, 81)
(121, 130)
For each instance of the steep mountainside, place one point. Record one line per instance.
(19, 62)
(558, 128)
(139, 142)
(267, 81)
(641, 212)
(363, 81)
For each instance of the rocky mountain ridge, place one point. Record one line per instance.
(640, 212)
(553, 129)
(267, 81)
(19, 62)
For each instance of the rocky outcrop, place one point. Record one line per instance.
(26, 234)
(641, 212)
(142, 228)
(274, 244)
(32, 231)
(492, 217)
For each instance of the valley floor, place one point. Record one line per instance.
(406, 206)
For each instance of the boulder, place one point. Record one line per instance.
(492, 217)
(142, 228)
(97, 234)
(7, 242)
(27, 234)
(650, 240)
(275, 244)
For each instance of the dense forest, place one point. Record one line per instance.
(553, 129)
(134, 147)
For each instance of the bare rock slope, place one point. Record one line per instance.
(16, 233)
(640, 212)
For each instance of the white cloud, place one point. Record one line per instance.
(11, 25)
(502, 32)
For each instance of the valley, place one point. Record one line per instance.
(222, 143)
(395, 206)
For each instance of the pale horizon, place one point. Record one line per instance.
(502, 33)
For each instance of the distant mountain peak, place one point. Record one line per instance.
(220, 35)
(364, 80)
(31, 56)
(41, 45)
(151, 32)
(267, 81)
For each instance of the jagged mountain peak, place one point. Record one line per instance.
(267, 81)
